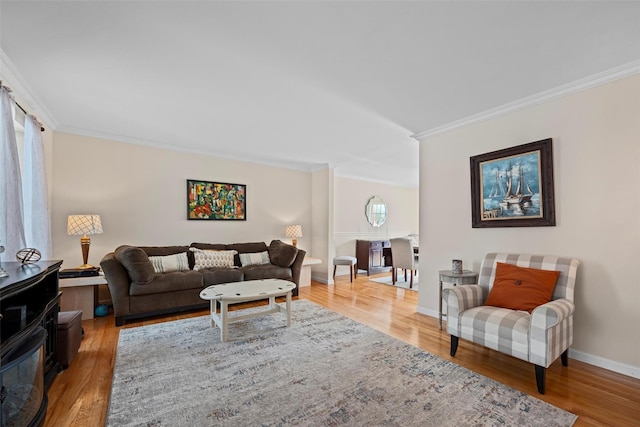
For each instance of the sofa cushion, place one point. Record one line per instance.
(521, 288)
(282, 254)
(216, 276)
(208, 259)
(269, 271)
(168, 282)
(168, 263)
(136, 262)
(256, 258)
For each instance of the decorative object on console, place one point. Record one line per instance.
(513, 187)
(294, 231)
(456, 266)
(214, 200)
(28, 255)
(376, 211)
(84, 225)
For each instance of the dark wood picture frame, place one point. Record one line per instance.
(513, 187)
(208, 200)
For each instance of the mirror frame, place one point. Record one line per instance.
(376, 211)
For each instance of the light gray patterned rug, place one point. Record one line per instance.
(324, 370)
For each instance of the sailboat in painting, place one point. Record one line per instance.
(521, 194)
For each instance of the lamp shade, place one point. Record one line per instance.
(79, 225)
(293, 231)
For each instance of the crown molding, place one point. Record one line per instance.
(620, 72)
(23, 92)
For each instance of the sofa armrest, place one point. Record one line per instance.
(552, 313)
(118, 282)
(459, 299)
(296, 268)
(551, 331)
(464, 297)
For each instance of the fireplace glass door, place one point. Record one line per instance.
(22, 394)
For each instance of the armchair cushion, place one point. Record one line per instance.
(521, 288)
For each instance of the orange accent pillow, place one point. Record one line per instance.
(521, 288)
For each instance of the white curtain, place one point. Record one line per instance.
(11, 219)
(37, 227)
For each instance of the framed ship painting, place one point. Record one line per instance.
(216, 201)
(513, 187)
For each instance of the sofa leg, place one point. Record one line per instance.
(454, 345)
(564, 357)
(119, 320)
(540, 377)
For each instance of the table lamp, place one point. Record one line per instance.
(294, 231)
(84, 225)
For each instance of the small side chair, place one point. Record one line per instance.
(346, 260)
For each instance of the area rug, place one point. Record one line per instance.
(323, 370)
(400, 283)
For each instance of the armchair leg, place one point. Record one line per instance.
(454, 345)
(564, 357)
(394, 275)
(540, 377)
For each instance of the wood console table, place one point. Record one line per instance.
(370, 256)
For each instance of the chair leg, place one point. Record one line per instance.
(355, 271)
(411, 282)
(454, 345)
(540, 377)
(564, 357)
(351, 273)
(394, 275)
(334, 271)
(405, 274)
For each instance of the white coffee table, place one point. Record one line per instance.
(249, 290)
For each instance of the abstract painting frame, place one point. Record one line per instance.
(209, 200)
(513, 187)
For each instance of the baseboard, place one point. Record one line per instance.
(600, 362)
(321, 279)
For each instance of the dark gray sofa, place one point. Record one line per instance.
(137, 291)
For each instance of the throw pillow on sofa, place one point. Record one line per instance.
(255, 258)
(136, 262)
(282, 254)
(521, 288)
(168, 263)
(212, 259)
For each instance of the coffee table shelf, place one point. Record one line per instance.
(248, 290)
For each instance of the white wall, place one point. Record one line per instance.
(596, 144)
(140, 193)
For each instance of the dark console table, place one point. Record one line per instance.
(29, 306)
(370, 255)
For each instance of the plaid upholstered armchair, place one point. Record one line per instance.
(539, 335)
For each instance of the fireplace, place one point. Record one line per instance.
(23, 401)
(29, 305)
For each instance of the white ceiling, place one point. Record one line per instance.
(301, 84)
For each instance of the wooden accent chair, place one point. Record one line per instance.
(539, 337)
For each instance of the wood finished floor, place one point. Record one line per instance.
(79, 396)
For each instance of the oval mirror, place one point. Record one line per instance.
(376, 211)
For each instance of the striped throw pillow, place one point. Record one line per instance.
(211, 259)
(165, 264)
(256, 258)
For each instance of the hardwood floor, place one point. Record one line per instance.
(79, 396)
